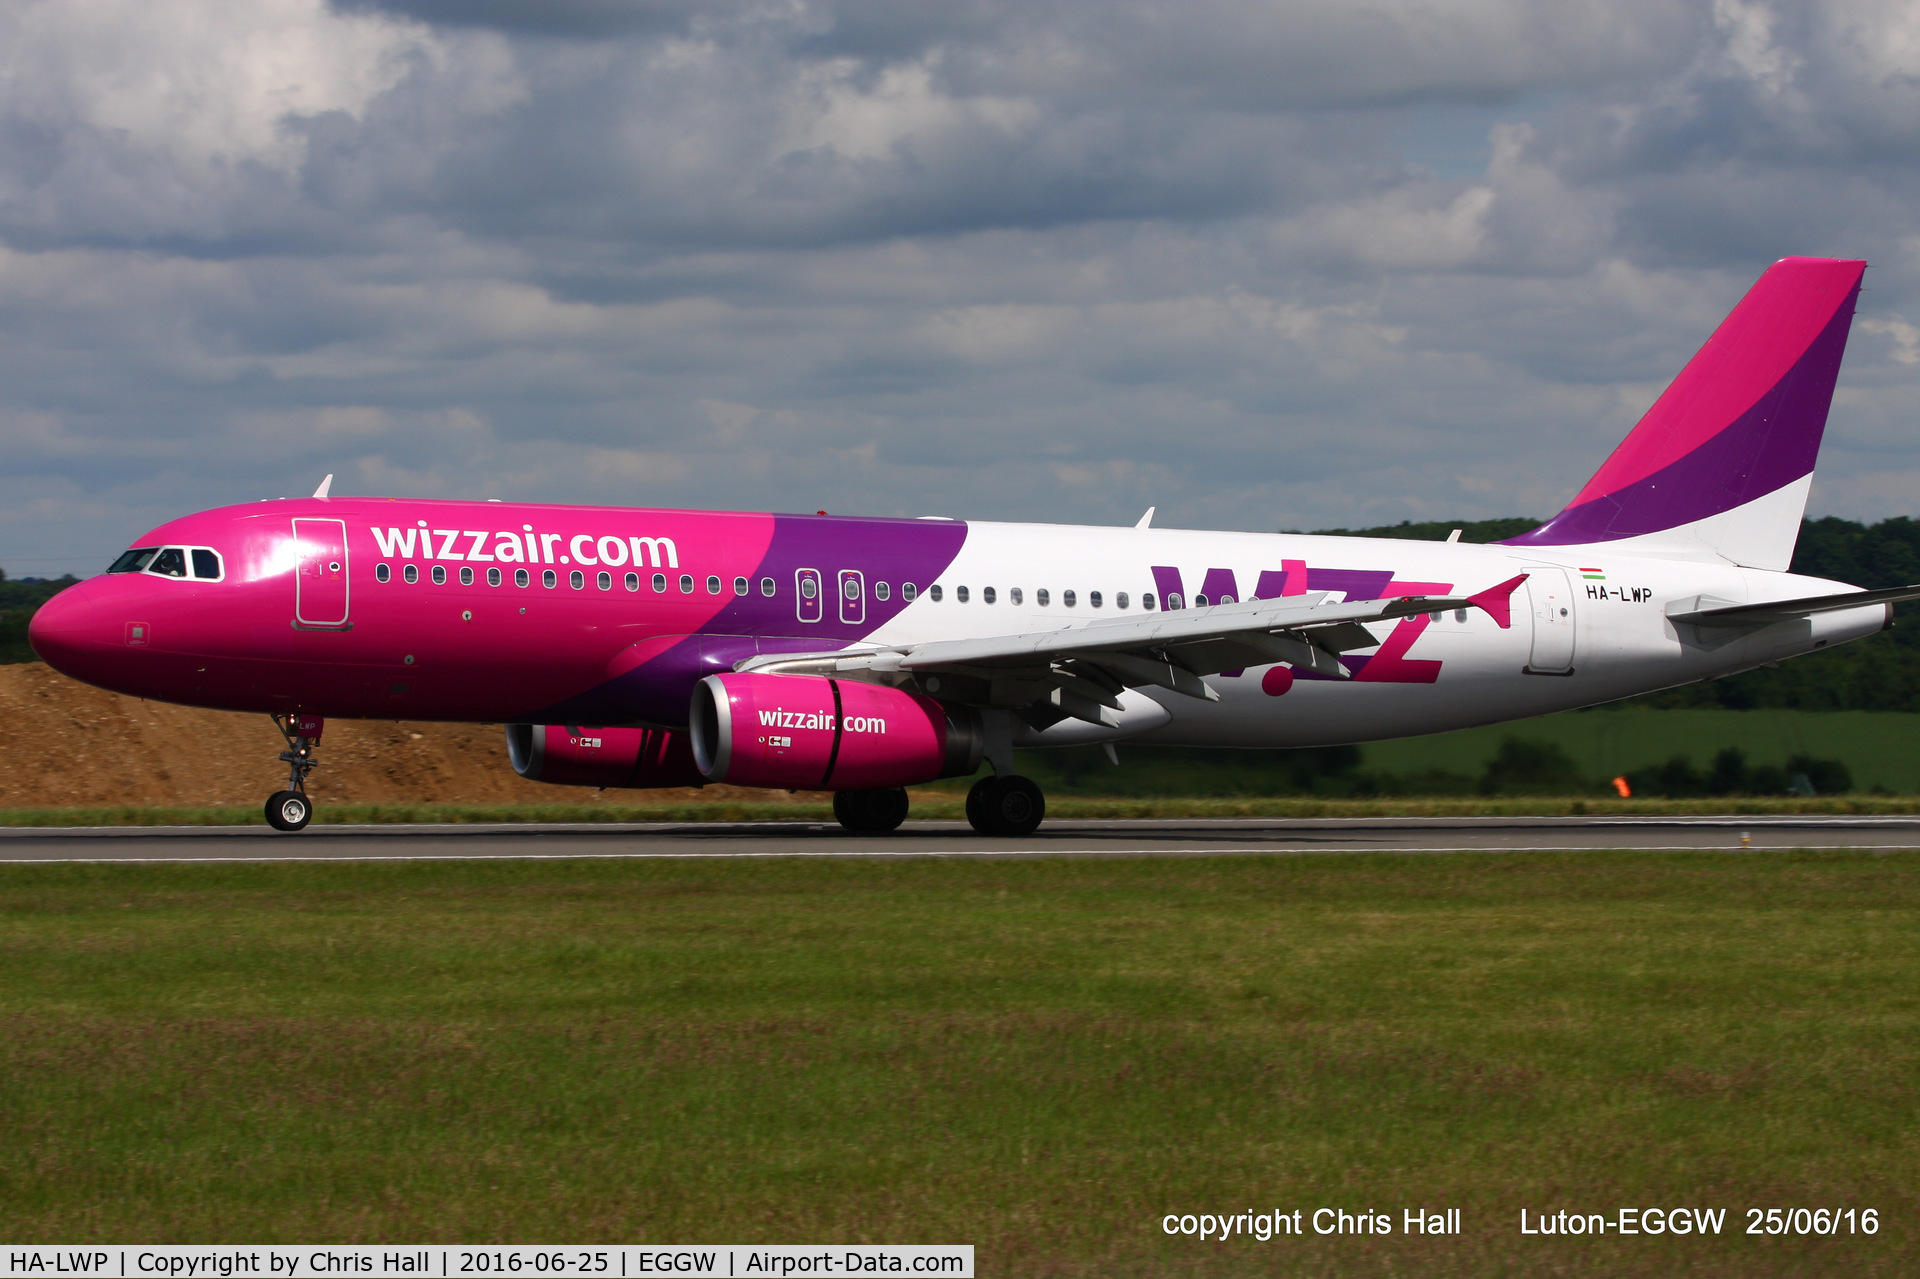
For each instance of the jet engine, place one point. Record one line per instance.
(810, 732)
(574, 755)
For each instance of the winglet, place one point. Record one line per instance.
(1497, 601)
(324, 485)
(1146, 521)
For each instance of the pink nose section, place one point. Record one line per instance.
(63, 629)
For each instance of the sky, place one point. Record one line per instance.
(1261, 266)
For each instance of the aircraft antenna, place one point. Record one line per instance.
(324, 485)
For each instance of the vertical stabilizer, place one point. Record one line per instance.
(1720, 466)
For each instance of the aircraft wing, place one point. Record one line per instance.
(1787, 610)
(1080, 671)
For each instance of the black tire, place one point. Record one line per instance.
(977, 803)
(870, 812)
(289, 810)
(1006, 807)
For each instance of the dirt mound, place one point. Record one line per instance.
(64, 744)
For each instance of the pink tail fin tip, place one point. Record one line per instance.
(1497, 601)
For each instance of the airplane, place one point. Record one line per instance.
(628, 647)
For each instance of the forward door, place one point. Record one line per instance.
(320, 586)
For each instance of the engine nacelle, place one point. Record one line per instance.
(570, 755)
(809, 732)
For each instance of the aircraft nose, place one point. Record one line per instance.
(64, 627)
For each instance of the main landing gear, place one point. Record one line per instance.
(290, 809)
(1010, 806)
(870, 812)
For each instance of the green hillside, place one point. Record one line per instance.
(1880, 749)
(18, 602)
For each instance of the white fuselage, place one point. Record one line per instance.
(1588, 626)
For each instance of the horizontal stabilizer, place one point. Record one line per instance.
(1792, 610)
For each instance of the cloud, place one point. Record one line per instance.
(1259, 265)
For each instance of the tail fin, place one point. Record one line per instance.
(1720, 466)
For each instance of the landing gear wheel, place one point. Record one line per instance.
(1007, 807)
(288, 810)
(870, 812)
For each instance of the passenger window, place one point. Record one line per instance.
(520, 577)
(1120, 600)
(1173, 600)
(1042, 597)
(382, 573)
(171, 562)
(577, 580)
(881, 590)
(633, 581)
(960, 594)
(1146, 601)
(549, 578)
(133, 561)
(439, 575)
(808, 588)
(493, 577)
(1093, 598)
(986, 595)
(686, 584)
(713, 586)
(411, 573)
(739, 586)
(466, 577)
(660, 582)
(767, 587)
(206, 565)
(1068, 598)
(909, 592)
(604, 581)
(1200, 601)
(934, 591)
(1015, 595)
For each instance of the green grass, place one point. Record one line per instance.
(1881, 749)
(1039, 1057)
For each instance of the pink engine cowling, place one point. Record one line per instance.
(809, 732)
(572, 755)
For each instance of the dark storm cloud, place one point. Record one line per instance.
(1260, 265)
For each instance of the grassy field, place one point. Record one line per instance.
(1881, 749)
(1038, 1057)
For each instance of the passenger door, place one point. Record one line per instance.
(320, 586)
(1551, 592)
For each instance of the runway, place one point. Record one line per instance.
(1177, 837)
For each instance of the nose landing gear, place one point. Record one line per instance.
(290, 809)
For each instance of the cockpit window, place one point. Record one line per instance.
(171, 562)
(134, 560)
(206, 564)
